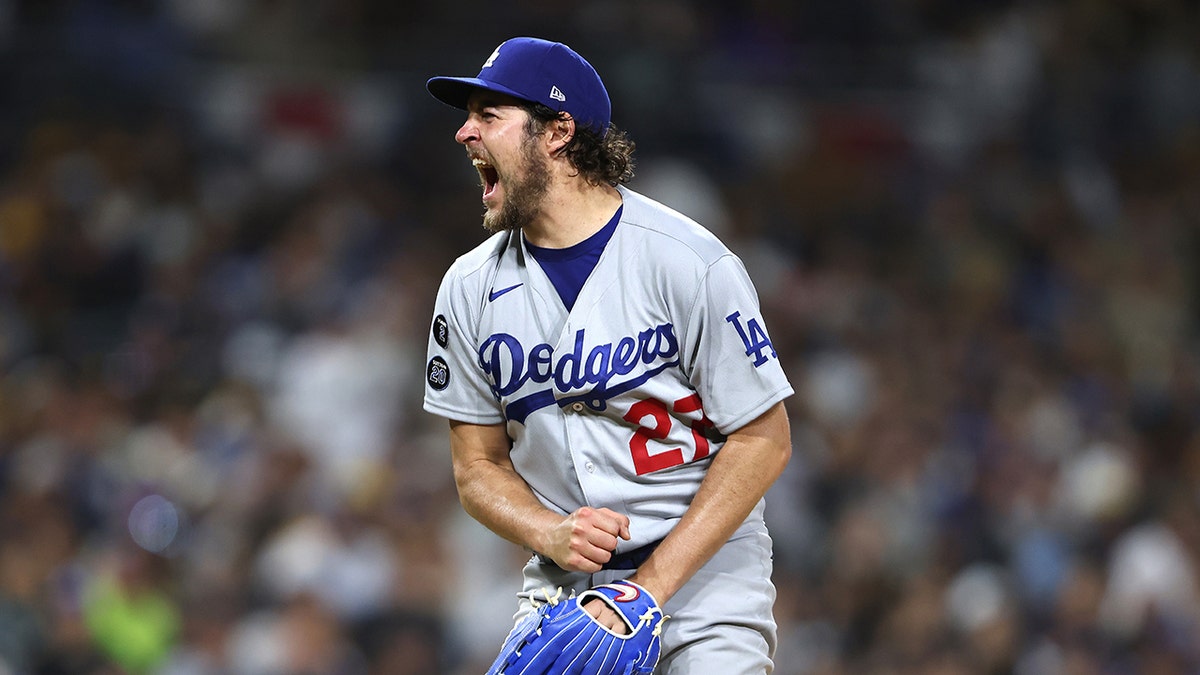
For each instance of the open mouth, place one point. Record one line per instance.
(487, 176)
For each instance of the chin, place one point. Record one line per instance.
(495, 221)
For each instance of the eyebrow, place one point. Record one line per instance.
(491, 100)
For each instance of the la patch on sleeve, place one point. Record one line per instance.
(754, 338)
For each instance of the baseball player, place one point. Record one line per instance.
(614, 398)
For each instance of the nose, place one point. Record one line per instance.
(467, 132)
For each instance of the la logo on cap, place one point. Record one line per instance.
(491, 59)
(556, 94)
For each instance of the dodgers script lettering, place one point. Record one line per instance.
(509, 366)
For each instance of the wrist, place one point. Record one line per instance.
(539, 537)
(658, 592)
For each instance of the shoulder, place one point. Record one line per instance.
(479, 261)
(664, 228)
(464, 287)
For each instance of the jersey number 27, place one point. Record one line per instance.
(660, 417)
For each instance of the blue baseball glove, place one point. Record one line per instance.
(560, 638)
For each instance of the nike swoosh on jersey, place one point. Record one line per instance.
(492, 295)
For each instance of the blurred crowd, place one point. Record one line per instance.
(974, 227)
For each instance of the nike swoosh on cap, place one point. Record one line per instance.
(492, 295)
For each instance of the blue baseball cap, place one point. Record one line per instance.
(536, 70)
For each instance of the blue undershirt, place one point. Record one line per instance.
(569, 267)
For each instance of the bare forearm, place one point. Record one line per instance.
(501, 500)
(739, 476)
(493, 493)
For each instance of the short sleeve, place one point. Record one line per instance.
(727, 351)
(455, 387)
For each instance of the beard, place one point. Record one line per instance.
(523, 195)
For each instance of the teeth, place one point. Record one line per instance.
(479, 162)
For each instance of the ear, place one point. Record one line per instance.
(559, 133)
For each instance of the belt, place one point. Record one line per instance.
(630, 560)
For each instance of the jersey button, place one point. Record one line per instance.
(590, 467)
(577, 406)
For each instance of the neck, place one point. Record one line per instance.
(571, 213)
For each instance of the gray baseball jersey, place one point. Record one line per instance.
(623, 401)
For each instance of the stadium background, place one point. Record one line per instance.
(973, 225)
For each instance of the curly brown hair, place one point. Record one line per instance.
(601, 159)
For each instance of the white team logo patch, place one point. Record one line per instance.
(557, 95)
(491, 59)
